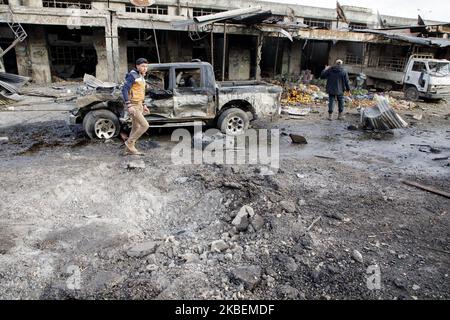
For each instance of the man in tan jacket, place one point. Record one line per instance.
(133, 92)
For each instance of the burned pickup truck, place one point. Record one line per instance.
(179, 94)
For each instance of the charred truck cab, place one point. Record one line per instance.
(179, 94)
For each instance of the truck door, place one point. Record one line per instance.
(192, 96)
(417, 75)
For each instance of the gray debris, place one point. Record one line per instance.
(241, 220)
(219, 246)
(250, 276)
(357, 256)
(135, 164)
(105, 279)
(181, 180)
(142, 249)
(4, 139)
(257, 222)
(287, 262)
(151, 267)
(288, 292)
(333, 215)
(307, 242)
(288, 206)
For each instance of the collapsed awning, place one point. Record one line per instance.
(252, 16)
(432, 42)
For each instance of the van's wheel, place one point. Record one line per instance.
(233, 121)
(101, 124)
(412, 94)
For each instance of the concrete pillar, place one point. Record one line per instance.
(23, 59)
(112, 48)
(40, 66)
(258, 56)
(101, 72)
(123, 57)
(295, 64)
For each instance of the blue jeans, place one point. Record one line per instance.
(340, 99)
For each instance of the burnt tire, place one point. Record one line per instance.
(233, 121)
(412, 94)
(101, 124)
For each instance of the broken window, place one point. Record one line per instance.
(197, 12)
(357, 26)
(158, 84)
(153, 9)
(81, 4)
(419, 66)
(158, 79)
(188, 78)
(317, 23)
(439, 68)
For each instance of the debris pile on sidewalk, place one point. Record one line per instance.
(381, 116)
(9, 87)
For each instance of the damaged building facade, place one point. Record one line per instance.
(67, 38)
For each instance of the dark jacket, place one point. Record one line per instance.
(337, 80)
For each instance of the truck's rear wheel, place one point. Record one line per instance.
(412, 94)
(101, 124)
(233, 121)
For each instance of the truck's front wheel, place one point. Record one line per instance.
(101, 124)
(412, 94)
(233, 121)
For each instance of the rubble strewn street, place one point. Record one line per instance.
(79, 220)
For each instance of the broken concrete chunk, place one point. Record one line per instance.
(250, 276)
(219, 246)
(4, 140)
(357, 256)
(288, 206)
(288, 292)
(257, 222)
(142, 249)
(298, 139)
(191, 257)
(241, 221)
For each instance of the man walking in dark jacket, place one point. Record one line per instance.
(337, 83)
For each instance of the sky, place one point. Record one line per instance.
(437, 10)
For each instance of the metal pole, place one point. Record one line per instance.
(212, 46)
(156, 41)
(224, 49)
(276, 56)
